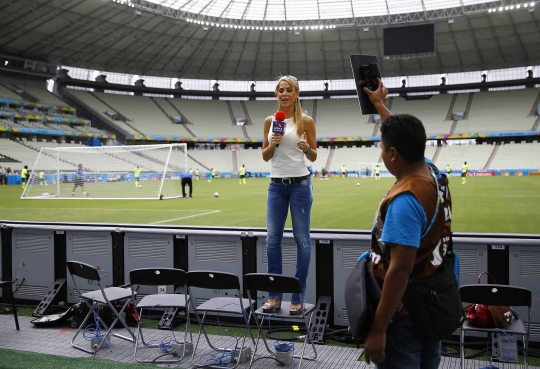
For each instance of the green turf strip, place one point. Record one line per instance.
(13, 359)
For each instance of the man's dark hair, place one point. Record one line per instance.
(405, 133)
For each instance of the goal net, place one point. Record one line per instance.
(108, 172)
(368, 169)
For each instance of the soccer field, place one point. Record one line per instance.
(483, 204)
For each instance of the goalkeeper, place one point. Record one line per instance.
(137, 175)
(79, 180)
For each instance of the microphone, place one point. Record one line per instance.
(278, 126)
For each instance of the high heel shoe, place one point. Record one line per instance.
(269, 307)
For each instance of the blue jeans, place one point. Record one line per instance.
(404, 350)
(300, 198)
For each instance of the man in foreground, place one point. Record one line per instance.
(411, 232)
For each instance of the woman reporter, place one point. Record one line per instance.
(290, 187)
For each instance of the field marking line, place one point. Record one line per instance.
(100, 209)
(189, 216)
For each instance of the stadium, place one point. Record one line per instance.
(106, 105)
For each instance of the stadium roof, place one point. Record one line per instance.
(311, 39)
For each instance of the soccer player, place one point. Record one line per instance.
(191, 171)
(137, 175)
(243, 174)
(197, 174)
(42, 178)
(212, 175)
(79, 180)
(377, 173)
(448, 171)
(323, 174)
(186, 181)
(24, 176)
(464, 171)
(343, 171)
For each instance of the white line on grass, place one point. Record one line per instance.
(104, 209)
(189, 216)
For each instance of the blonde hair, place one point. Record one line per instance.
(297, 114)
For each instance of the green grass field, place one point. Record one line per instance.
(483, 204)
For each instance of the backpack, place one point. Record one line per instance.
(362, 295)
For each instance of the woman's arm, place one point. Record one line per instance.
(268, 147)
(310, 137)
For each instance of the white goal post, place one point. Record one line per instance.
(108, 172)
(368, 169)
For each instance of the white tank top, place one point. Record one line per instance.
(288, 160)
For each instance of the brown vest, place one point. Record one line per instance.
(434, 245)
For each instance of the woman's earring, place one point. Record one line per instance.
(295, 102)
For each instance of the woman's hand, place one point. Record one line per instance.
(303, 144)
(276, 139)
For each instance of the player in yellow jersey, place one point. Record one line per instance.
(243, 174)
(137, 175)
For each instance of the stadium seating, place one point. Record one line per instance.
(44, 96)
(6, 93)
(500, 111)
(99, 109)
(220, 160)
(476, 156)
(352, 157)
(258, 111)
(341, 118)
(431, 112)
(517, 156)
(143, 114)
(210, 118)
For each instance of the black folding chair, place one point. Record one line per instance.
(6, 285)
(278, 283)
(497, 295)
(107, 296)
(159, 277)
(237, 305)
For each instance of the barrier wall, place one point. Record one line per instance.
(35, 255)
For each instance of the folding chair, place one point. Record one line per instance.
(7, 285)
(497, 295)
(215, 280)
(278, 283)
(104, 296)
(159, 277)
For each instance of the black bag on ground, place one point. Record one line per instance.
(362, 295)
(434, 304)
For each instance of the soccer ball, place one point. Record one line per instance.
(140, 186)
(358, 184)
(216, 194)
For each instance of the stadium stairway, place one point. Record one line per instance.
(436, 155)
(451, 107)
(161, 109)
(185, 121)
(492, 156)
(536, 123)
(329, 160)
(468, 107)
(234, 161)
(244, 108)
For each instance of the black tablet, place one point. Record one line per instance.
(366, 71)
